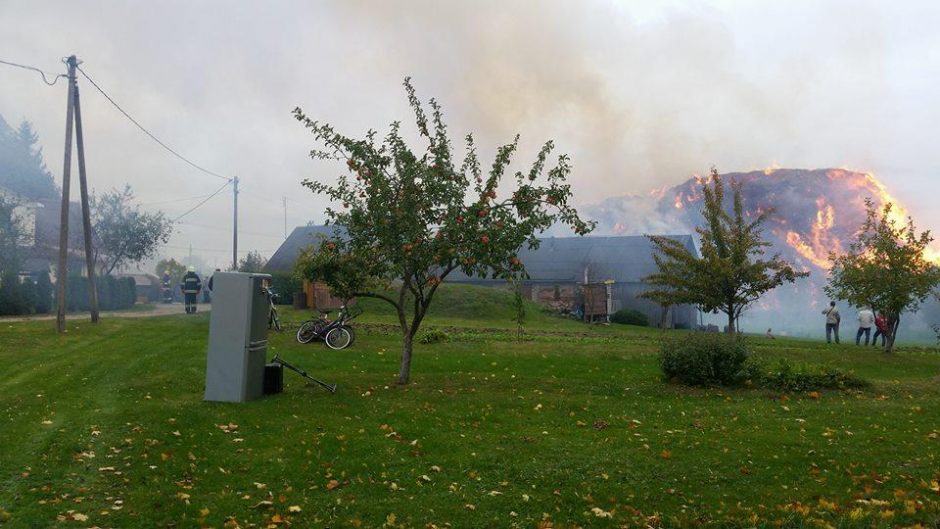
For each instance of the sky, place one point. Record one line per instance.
(640, 94)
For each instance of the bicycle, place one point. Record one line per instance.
(273, 320)
(337, 334)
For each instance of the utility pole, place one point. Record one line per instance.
(235, 226)
(61, 276)
(285, 217)
(86, 211)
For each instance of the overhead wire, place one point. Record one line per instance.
(194, 208)
(197, 197)
(43, 73)
(148, 133)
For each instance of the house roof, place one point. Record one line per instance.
(624, 259)
(302, 236)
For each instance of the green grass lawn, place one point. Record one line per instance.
(106, 427)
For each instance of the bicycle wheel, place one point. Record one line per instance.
(338, 338)
(352, 334)
(308, 332)
(274, 320)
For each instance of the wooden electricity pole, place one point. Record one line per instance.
(73, 121)
(61, 274)
(86, 211)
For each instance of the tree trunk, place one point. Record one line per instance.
(731, 322)
(404, 374)
(892, 333)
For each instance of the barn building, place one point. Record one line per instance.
(591, 277)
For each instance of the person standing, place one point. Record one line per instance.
(881, 329)
(832, 322)
(865, 320)
(191, 286)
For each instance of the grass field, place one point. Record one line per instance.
(573, 427)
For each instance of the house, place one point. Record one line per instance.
(589, 276)
(40, 220)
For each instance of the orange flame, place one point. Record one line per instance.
(816, 245)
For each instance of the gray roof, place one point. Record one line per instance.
(624, 259)
(302, 236)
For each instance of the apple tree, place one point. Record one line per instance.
(411, 218)
(885, 268)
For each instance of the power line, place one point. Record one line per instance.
(43, 73)
(148, 133)
(172, 200)
(242, 232)
(194, 208)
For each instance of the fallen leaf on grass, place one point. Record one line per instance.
(294, 508)
(332, 484)
(665, 454)
(600, 424)
(263, 504)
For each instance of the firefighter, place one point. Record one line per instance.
(191, 286)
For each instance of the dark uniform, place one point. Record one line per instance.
(191, 286)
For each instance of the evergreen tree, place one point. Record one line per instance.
(22, 169)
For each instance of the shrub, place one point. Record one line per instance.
(803, 377)
(44, 291)
(11, 296)
(630, 317)
(704, 359)
(285, 284)
(433, 336)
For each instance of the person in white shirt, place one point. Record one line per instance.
(832, 322)
(866, 318)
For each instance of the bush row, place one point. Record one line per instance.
(30, 296)
(630, 317)
(709, 359)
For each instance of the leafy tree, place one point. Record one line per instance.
(412, 218)
(22, 169)
(173, 267)
(885, 268)
(124, 234)
(731, 272)
(12, 235)
(253, 262)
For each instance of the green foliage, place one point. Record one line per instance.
(124, 234)
(11, 295)
(703, 359)
(786, 376)
(176, 270)
(113, 293)
(252, 262)
(286, 284)
(433, 336)
(44, 293)
(411, 218)
(22, 169)
(885, 268)
(732, 272)
(630, 317)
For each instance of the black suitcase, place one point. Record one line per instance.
(273, 378)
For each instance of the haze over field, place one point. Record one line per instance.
(641, 94)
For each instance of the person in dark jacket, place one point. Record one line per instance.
(191, 286)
